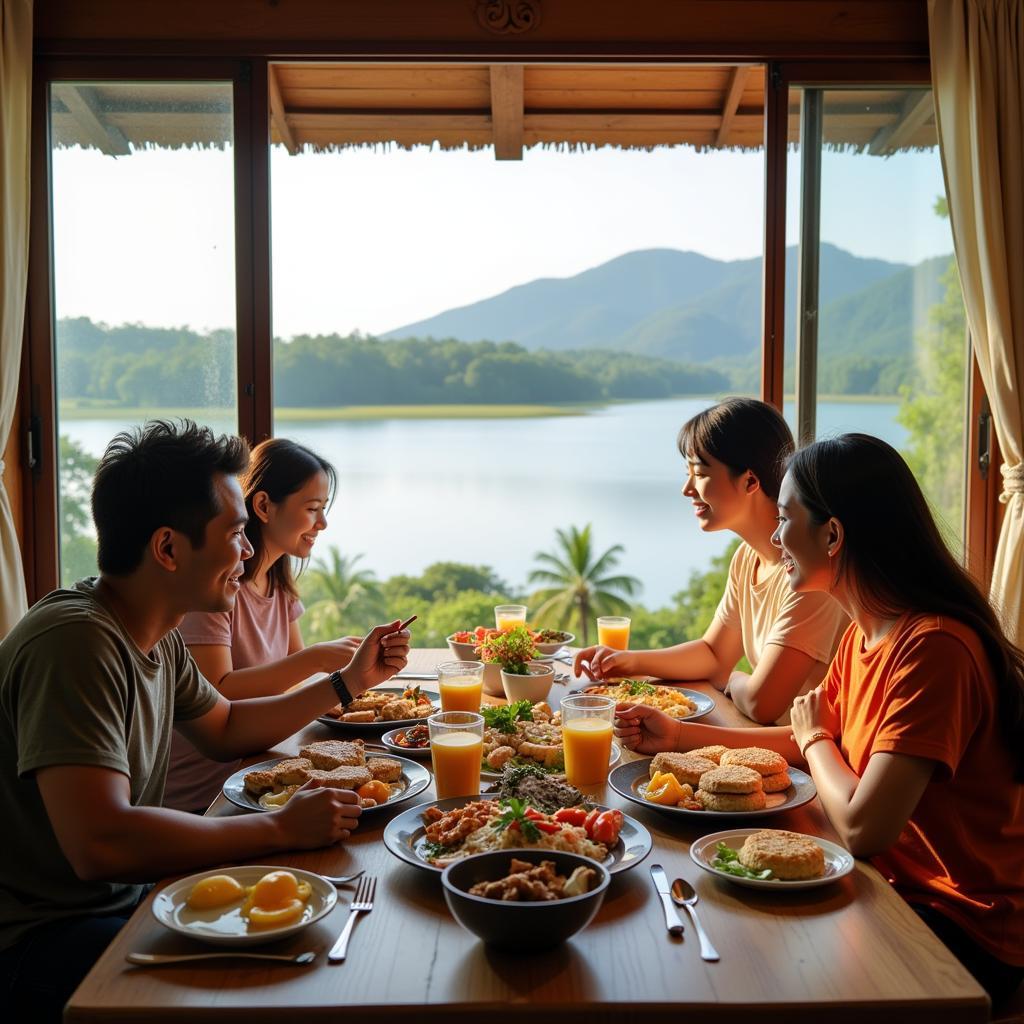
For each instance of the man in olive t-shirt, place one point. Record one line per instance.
(93, 679)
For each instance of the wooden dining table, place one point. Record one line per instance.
(847, 951)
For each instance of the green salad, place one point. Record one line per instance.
(728, 860)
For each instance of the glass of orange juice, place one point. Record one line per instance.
(613, 631)
(461, 684)
(456, 749)
(587, 738)
(508, 616)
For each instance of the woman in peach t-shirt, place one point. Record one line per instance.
(256, 649)
(915, 740)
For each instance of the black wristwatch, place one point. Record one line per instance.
(344, 697)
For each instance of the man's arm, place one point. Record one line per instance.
(105, 838)
(233, 729)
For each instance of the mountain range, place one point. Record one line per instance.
(691, 308)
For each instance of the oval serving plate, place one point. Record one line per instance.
(628, 780)
(490, 775)
(225, 926)
(388, 741)
(838, 861)
(357, 727)
(705, 704)
(405, 836)
(415, 778)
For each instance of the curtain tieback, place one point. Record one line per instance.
(1013, 480)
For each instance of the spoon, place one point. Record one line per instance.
(342, 879)
(684, 895)
(156, 959)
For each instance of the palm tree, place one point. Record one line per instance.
(343, 597)
(579, 588)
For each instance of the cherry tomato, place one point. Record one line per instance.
(591, 818)
(607, 827)
(571, 815)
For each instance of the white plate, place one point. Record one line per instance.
(490, 775)
(838, 862)
(704, 703)
(388, 740)
(225, 926)
(415, 778)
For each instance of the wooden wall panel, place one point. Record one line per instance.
(723, 29)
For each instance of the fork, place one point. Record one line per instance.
(362, 904)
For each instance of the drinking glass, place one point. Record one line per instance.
(461, 684)
(456, 749)
(508, 616)
(613, 631)
(587, 738)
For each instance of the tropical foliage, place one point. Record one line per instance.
(579, 584)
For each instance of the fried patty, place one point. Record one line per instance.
(767, 762)
(685, 767)
(292, 771)
(776, 783)
(346, 776)
(384, 768)
(328, 754)
(731, 778)
(712, 753)
(788, 855)
(731, 802)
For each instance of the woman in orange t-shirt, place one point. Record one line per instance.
(915, 740)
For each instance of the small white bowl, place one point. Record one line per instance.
(534, 687)
(554, 648)
(462, 652)
(492, 680)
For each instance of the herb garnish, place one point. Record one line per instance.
(515, 817)
(728, 860)
(637, 687)
(504, 718)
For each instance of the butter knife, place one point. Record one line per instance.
(672, 921)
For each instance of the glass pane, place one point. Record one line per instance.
(891, 330)
(144, 272)
(492, 350)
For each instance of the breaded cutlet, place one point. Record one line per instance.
(685, 767)
(731, 803)
(384, 768)
(776, 783)
(328, 754)
(712, 753)
(762, 760)
(731, 778)
(291, 772)
(345, 776)
(788, 855)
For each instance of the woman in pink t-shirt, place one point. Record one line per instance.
(256, 649)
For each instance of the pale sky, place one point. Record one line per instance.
(374, 239)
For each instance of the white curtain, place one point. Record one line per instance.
(15, 124)
(977, 57)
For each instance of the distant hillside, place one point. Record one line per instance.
(683, 306)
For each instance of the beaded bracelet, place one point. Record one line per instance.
(818, 734)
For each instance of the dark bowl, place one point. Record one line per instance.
(523, 927)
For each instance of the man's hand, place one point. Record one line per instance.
(600, 662)
(317, 816)
(645, 729)
(383, 652)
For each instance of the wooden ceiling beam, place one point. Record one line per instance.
(732, 101)
(507, 110)
(913, 115)
(278, 114)
(81, 103)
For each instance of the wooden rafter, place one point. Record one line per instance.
(916, 110)
(732, 102)
(507, 110)
(278, 114)
(81, 103)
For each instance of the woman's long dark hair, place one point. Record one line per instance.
(280, 467)
(898, 562)
(744, 434)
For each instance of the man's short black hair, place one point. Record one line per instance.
(160, 474)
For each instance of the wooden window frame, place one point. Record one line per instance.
(253, 247)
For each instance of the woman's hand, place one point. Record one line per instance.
(382, 652)
(600, 662)
(645, 729)
(336, 654)
(812, 711)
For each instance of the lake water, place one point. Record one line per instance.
(492, 492)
